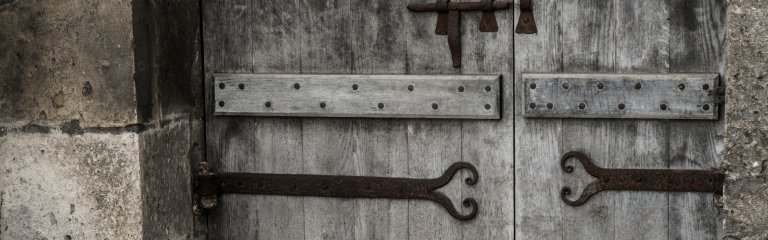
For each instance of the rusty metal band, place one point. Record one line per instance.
(662, 180)
(341, 187)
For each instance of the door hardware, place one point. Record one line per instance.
(661, 180)
(526, 24)
(209, 185)
(449, 20)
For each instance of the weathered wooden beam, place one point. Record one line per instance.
(639, 96)
(367, 96)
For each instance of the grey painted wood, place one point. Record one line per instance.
(368, 96)
(610, 37)
(683, 96)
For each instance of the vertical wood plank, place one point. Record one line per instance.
(432, 145)
(489, 144)
(378, 48)
(642, 45)
(537, 173)
(432, 148)
(696, 45)
(265, 145)
(588, 42)
(329, 144)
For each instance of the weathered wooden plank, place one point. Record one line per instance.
(431, 148)
(266, 145)
(328, 143)
(370, 96)
(640, 96)
(641, 46)
(383, 149)
(432, 144)
(489, 144)
(597, 36)
(694, 145)
(538, 209)
(588, 47)
(697, 33)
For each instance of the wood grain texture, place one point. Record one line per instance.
(589, 39)
(365, 96)
(609, 37)
(329, 144)
(433, 144)
(384, 142)
(489, 144)
(264, 145)
(697, 38)
(658, 96)
(538, 209)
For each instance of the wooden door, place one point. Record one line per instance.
(355, 37)
(519, 187)
(617, 36)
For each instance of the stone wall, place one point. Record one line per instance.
(100, 122)
(101, 107)
(746, 135)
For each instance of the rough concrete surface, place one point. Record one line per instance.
(746, 111)
(58, 186)
(64, 60)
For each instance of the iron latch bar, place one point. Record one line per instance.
(449, 20)
(661, 180)
(208, 185)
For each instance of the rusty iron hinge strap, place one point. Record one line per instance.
(662, 180)
(340, 186)
(449, 20)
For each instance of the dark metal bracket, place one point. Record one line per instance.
(526, 24)
(209, 185)
(449, 20)
(662, 180)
